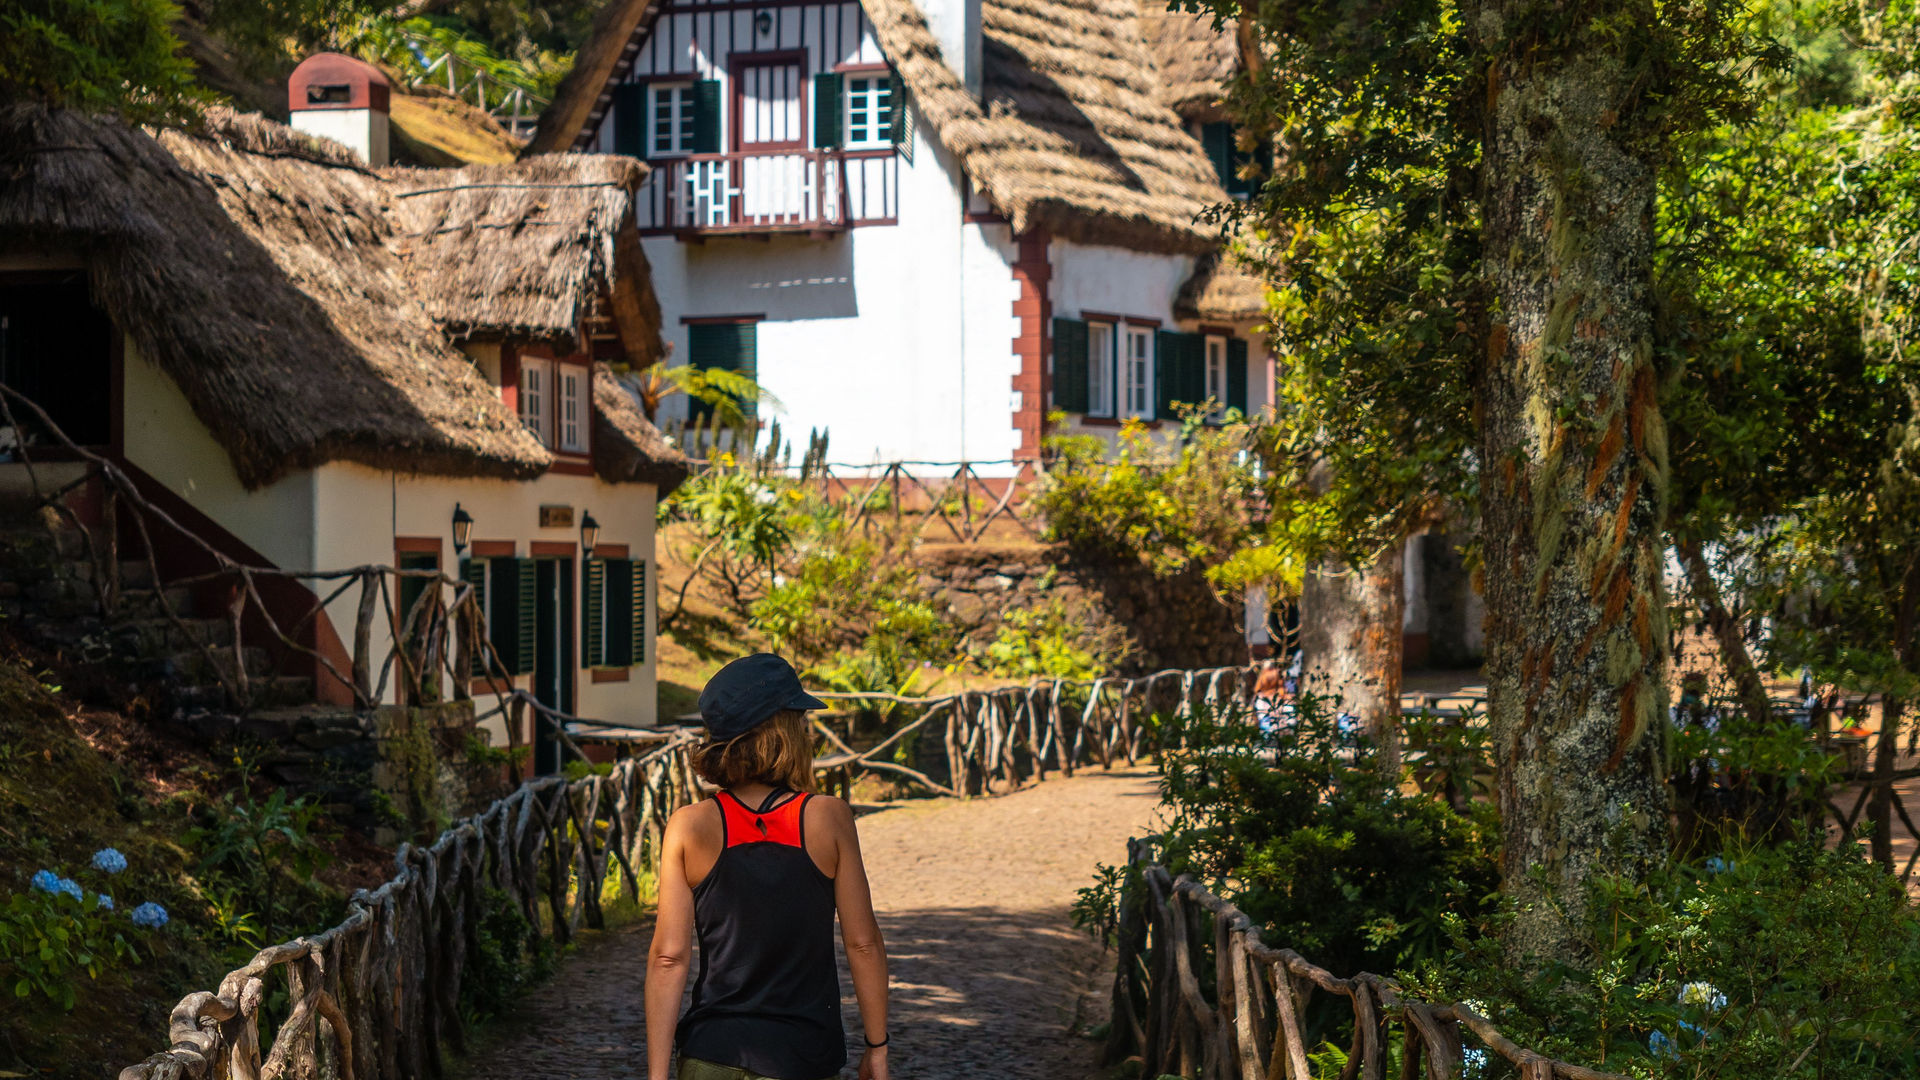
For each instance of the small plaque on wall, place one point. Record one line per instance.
(556, 517)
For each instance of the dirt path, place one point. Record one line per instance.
(989, 977)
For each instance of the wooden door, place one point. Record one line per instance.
(770, 136)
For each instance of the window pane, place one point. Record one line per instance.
(572, 410)
(533, 399)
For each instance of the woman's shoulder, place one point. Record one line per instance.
(696, 818)
(830, 811)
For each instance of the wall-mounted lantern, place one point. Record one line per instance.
(589, 533)
(462, 529)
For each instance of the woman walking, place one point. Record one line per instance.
(757, 872)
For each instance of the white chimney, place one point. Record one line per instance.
(340, 98)
(956, 23)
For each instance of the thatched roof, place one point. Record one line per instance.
(1072, 136)
(1223, 288)
(1195, 58)
(521, 250)
(260, 269)
(625, 445)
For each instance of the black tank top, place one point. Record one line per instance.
(767, 997)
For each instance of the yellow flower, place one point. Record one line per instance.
(726, 458)
(793, 494)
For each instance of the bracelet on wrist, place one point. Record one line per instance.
(884, 1040)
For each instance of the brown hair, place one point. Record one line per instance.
(777, 752)
(1269, 681)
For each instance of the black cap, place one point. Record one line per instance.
(745, 693)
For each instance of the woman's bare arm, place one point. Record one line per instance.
(672, 947)
(860, 932)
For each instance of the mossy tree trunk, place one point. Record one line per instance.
(1350, 631)
(1574, 465)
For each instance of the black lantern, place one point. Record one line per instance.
(589, 533)
(462, 529)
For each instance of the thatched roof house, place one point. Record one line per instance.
(284, 287)
(1196, 59)
(1070, 135)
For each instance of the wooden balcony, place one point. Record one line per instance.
(761, 191)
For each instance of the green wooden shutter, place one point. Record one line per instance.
(593, 612)
(1070, 365)
(1194, 366)
(526, 621)
(619, 607)
(510, 618)
(637, 625)
(731, 346)
(828, 109)
(899, 117)
(1169, 366)
(706, 116)
(630, 119)
(1237, 374)
(474, 573)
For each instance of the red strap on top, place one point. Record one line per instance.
(780, 825)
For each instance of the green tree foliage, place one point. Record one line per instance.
(118, 56)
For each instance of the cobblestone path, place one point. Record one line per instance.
(990, 980)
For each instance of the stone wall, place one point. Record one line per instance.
(1171, 622)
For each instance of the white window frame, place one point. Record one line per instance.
(679, 119)
(1217, 374)
(869, 95)
(1101, 336)
(536, 397)
(1136, 372)
(571, 409)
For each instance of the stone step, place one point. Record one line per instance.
(279, 691)
(147, 601)
(157, 637)
(192, 663)
(135, 574)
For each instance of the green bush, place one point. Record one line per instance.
(48, 940)
(1301, 829)
(1049, 641)
(1791, 961)
(259, 849)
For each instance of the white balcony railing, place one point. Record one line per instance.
(753, 191)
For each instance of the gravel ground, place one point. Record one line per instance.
(989, 977)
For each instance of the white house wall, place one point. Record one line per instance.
(896, 339)
(361, 510)
(168, 442)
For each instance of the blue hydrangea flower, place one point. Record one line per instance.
(1475, 1059)
(149, 915)
(105, 902)
(47, 881)
(1662, 1047)
(1703, 995)
(71, 888)
(1718, 865)
(109, 860)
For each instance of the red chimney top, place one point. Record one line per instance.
(333, 81)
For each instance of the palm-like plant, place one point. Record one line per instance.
(731, 395)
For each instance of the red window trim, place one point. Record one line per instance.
(492, 549)
(1108, 317)
(719, 320)
(416, 545)
(551, 549)
(609, 551)
(1212, 330)
(570, 465)
(739, 60)
(619, 674)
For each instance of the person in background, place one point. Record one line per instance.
(1270, 704)
(757, 872)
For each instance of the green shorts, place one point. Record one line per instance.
(695, 1069)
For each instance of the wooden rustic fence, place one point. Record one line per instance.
(1251, 1026)
(1000, 739)
(379, 995)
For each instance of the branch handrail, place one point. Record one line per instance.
(1252, 1028)
(379, 993)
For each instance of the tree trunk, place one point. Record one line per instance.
(1574, 469)
(1350, 623)
(1726, 633)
